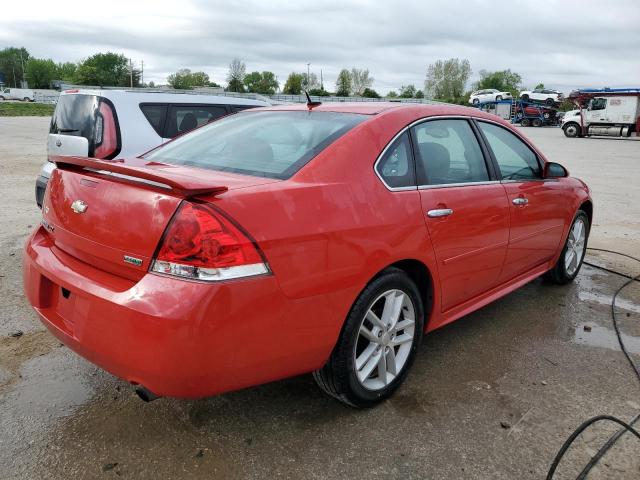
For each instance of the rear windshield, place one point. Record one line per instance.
(75, 115)
(265, 144)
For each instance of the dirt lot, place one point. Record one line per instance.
(492, 396)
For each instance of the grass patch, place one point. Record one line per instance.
(26, 109)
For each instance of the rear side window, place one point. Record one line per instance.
(75, 115)
(266, 144)
(184, 118)
(396, 166)
(514, 157)
(447, 151)
(155, 115)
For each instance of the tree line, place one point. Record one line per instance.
(446, 80)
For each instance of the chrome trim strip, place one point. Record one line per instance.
(463, 184)
(407, 127)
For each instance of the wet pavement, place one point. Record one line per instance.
(493, 395)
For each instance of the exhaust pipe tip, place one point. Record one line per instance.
(145, 394)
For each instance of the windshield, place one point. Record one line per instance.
(273, 144)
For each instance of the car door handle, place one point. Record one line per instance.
(520, 201)
(439, 212)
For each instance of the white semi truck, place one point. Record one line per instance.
(608, 112)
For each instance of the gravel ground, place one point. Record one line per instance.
(493, 395)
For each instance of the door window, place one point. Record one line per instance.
(184, 118)
(515, 159)
(447, 152)
(598, 104)
(396, 168)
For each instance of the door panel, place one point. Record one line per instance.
(470, 244)
(536, 226)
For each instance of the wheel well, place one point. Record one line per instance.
(587, 207)
(421, 276)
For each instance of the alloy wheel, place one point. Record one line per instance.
(385, 338)
(575, 246)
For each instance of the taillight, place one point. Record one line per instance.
(106, 134)
(201, 244)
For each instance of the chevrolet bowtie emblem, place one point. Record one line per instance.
(79, 206)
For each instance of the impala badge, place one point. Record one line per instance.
(133, 261)
(79, 206)
(58, 143)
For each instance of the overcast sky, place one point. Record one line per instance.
(563, 44)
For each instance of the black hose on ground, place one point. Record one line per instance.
(626, 427)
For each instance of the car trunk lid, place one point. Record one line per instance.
(112, 214)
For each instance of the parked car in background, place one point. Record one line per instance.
(127, 123)
(550, 97)
(24, 94)
(296, 239)
(488, 95)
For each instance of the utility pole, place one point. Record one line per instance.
(22, 63)
(131, 72)
(142, 72)
(308, 78)
(321, 81)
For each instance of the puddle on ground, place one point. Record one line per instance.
(604, 299)
(605, 338)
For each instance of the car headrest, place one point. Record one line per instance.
(436, 160)
(189, 122)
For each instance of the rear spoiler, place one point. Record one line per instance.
(167, 176)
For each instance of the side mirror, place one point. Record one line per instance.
(555, 170)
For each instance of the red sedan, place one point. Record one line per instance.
(297, 239)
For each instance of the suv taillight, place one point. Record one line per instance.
(106, 134)
(201, 244)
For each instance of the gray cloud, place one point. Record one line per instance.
(565, 44)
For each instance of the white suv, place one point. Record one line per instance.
(127, 123)
(488, 95)
(550, 97)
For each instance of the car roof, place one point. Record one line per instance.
(166, 97)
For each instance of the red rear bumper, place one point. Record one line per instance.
(177, 338)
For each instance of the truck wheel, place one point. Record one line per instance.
(571, 130)
(549, 101)
(1, 98)
(536, 122)
(525, 122)
(26, 99)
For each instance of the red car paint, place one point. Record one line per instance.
(325, 233)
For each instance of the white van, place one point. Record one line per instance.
(127, 123)
(24, 94)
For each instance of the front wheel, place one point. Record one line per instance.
(498, 98)
(525, 122)
(525, 97)
(476, 101)
(378, 342)
(571, 130)
(536, 122)
(549, 101)
(570, 261)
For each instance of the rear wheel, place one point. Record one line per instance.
(498, 98)
(525, 122)
(378, 342)
(570, 261)
(571, 130)
(26, 99)
(536, 122)
(525, 97)
(549, 101)
(476, 101)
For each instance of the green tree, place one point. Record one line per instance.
(40, 72)
(12, 63)
(392, 94)
(66, 71)
(446, 79)
(319, 92)
(151, 84)
(539, 86)
(294, 84)
(107, 69)
(265, 83)
(181, 80)
(370, 93)
(407, 92)
(235, 76)
(200, 79)
(419, 94)
(344, 83)
(503, 80)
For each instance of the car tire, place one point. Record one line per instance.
(475, 101)
(571, 130)
(498, 98)
(525, 97)
(525, 122)
(25, 99)
(2, 98)
(536, 122)
(342, 377)
(572, 255)
(549, 101)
